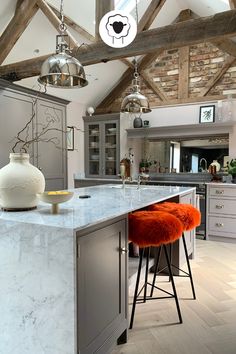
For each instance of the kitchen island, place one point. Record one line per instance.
(64, 277)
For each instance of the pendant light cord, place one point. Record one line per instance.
(136, 12)
(62, 26)
(136, 74)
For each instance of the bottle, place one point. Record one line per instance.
(216, 164)
(122, 169)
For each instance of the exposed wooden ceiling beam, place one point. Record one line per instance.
(102, 7)
(18, 3)
(69, 22)
(22, 69)
(127, 63)
(55, 21)
(157, 90)
(172, 36)
(211, 83)
(232, 4)
(183, 84)
(183, 87)
(185, 15)
(226, 45)
(23, 15)
(150, 14)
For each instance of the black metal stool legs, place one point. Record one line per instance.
(173, 284)
(156, 267)
(146, 283)
(141, 252)
(189, 268)
(186, 274)
(146, 275)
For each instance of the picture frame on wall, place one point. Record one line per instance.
(70, 138)
(207, 114)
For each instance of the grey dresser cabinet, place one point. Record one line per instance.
(221, 212)
(17, 107)
(102, 139)
(102, 287)
(51, 158)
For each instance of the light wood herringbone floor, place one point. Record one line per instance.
(209, 322)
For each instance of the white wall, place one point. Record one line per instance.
(75, 112)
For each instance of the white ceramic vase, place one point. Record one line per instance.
(20, 182)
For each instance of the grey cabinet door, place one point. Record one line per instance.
(15, 111)
(93, 147)
(102, 146)
(102, 288)
(51, 148)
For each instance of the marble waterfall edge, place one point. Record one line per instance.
(37, 294)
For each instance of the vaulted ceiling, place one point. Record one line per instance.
(182, 62)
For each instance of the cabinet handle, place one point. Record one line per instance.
(219, 192)
(219, 224)
(218, 206)
(123, 250)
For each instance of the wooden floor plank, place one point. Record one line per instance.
(209, 322)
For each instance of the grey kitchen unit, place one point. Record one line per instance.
(102, 286)
(102, 138)
(48, 153)
(221, 212)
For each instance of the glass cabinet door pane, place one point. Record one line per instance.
(110, 148)
(94, 149)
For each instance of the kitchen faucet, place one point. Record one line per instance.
(205, 164)
(141, 177)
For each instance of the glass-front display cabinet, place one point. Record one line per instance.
(102, 136)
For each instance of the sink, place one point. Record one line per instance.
(127, 186)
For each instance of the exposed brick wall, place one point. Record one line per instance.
(226, 83)
(205, 60)
(164, 71)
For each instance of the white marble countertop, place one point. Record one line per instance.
(106, 202)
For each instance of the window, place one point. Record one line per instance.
(125, 5)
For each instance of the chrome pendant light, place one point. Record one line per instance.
(135, 102)
(61, 70)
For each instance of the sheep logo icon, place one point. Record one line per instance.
(117, 29)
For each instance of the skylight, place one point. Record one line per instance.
(125, 5)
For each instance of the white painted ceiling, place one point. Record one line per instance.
(39, 39)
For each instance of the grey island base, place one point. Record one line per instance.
(63, 277)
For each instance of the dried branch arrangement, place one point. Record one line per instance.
(23, 140)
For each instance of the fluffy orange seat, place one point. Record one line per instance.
(153, 228)
(189, 216)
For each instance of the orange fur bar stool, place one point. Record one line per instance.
(190, 217)
(152, 228)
